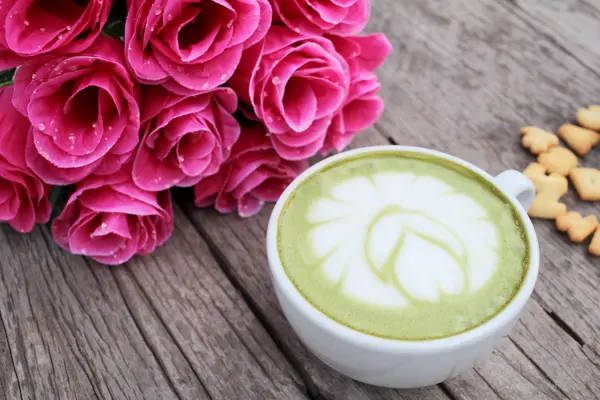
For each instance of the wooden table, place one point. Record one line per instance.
(198, 319)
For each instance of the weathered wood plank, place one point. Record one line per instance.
(557, 355)
(514, 376)
(466, 77)
(164, 327)
(229, 350)
(68, 336)
(573, 24)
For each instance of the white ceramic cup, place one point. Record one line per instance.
(398, 363)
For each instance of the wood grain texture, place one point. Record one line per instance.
(69, 336)
(574, 25)
(169, 326)
(229, 350)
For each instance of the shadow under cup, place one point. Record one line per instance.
(393, 362)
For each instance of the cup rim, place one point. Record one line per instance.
(489, 328)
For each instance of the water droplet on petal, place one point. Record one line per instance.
(42, 126)
(68, 27)
(103, 225)
(276, 80)
(26, 23)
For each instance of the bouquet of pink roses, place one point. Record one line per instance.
(113, 103)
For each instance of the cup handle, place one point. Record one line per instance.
(517, 185)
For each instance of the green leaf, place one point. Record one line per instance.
(115, 29)
(58, 199)
(115, 25)
(6, 77)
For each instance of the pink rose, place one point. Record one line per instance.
(185, 138)
(194, 45)
(23, 197)
(110, 219)
(30, 28)
(254, 174)
(315, 17)
(295, 85)
(84, 113)
(362, 107)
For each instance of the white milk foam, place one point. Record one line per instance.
(437, 241)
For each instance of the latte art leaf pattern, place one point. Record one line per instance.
(397, 239)
(402, 245)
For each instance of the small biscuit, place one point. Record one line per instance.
(559, 160)
(577, 228)
(549, 189)
(535, 170)
(589, 117)
(595, 244)
(579, 139)
(587, 183)
(538, 140)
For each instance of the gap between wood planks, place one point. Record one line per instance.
(96, 310)
(221, 260)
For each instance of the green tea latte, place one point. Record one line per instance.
(402, 245)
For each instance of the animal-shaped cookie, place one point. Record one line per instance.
(589, 117)
(579, 139)
(587, 183)
(549, 190)
(577, 227)
(538, 140)
(595, 244)
(559, 160)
